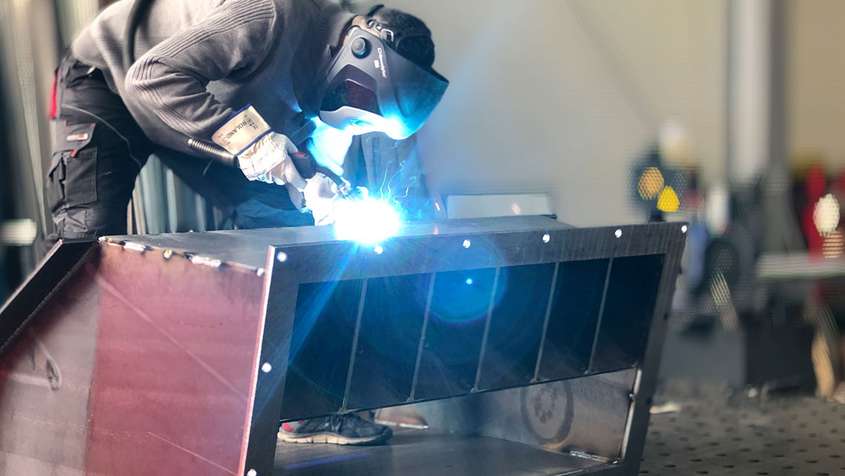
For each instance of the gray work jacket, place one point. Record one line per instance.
(199, 61)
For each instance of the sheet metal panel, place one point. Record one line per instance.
(249, 247)
(573, 320)
(452, 344)
(516, 326)
(320, 348)
(175, 365)
(45, 381)
(626, 318)
(141, 362)
(388, 342)
(587, 415)
(455, 338)
(48, 275)
(219, 316)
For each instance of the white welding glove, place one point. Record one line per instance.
(322, 198)
(263, 155)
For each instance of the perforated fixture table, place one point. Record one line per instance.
(727, 433)
(529, 346)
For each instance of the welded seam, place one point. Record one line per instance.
(546, 319)
(601, 314)
(354, 351)
(421, 343)
(486, 335)
(108, 287)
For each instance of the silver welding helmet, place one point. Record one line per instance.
(370, 87)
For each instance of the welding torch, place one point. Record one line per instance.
(308, 167)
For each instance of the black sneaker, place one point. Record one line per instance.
(335, 430)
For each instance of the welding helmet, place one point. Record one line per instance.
(369, 86)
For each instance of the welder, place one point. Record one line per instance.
(233, 95)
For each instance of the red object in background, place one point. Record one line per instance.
(54, 112)
(839, 186)
(815, 185)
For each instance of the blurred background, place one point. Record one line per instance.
(724, 114)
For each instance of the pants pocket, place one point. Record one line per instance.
(81, 177)
(73, 171)
(55, 190)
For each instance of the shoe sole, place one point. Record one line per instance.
(332, 439)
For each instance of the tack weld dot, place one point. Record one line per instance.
(684, 229)
(266, 368)
(467, 244)
(282, 257)
(378, 249)
(547, 238)
(167, 254)
(252, 472)
(618, 233)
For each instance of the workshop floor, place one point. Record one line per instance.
(718, 433)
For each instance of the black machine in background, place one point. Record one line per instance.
(730, 324)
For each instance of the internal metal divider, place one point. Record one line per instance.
(490, 306)
(546, 319)
(421, 344)
(601, 315)
(629, 420)
(354, 351)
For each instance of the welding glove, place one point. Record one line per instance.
(322, 198)
(263, 155)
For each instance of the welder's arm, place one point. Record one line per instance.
(166, 88)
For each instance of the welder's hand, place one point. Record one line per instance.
(263, 155)
(322, 197)
(268, 160)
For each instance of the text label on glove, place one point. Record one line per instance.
(241, 131)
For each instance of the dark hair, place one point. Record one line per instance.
(412, 38)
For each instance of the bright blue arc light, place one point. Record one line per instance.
(366, 221)
(329, 145)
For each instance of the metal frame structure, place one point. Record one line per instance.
(443, 248)
(220, 318)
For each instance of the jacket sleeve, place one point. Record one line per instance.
(165, 89)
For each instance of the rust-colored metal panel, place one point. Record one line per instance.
(139, 364)
(45, 377)
(174, 368)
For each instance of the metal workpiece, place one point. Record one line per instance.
(529, 346)
(472, 308)
(169, 253)
(49, 275)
